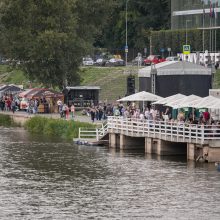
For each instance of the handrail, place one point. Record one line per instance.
(94, 133)
(177, 132)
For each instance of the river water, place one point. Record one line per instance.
(44, 179)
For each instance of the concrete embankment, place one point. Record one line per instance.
(22, 117)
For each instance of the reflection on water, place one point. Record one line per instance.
(44, 179)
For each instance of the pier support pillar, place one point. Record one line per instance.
(122, 142)
(190, 151)
(170, 148)
(112, 140)
(148, 145)
(130, 143)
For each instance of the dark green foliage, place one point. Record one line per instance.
(142, 16)
(58, 128)
(6, 121)
(50, 37)
(177, 38)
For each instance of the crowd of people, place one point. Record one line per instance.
(103, 110)
(9, 103)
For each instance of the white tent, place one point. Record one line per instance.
(141, 96)
(215, 106)
(172, 98)
(178, 103)
(206, 102)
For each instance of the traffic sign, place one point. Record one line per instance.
(162, 50)
(186, 49)
(126, 49)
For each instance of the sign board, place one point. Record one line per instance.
(126, 49)
(168, 49)
(186, 49)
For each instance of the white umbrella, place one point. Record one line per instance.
(216, 105)
(141, 96)
(178, 103)
(206, 102)
(171, 98)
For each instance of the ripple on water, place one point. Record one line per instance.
(54, 180)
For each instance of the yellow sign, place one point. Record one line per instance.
(186, 49)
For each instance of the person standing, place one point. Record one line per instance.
(72, 109)
(59, 104)
(67, 112)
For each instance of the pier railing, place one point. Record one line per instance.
(166, 130)
(93, 133)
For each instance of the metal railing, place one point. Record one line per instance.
(93, 133)
(166, 130)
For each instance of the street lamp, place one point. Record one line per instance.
(126, 34)
(187, 30)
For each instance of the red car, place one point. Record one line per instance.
(155, 59)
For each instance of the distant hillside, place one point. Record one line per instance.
(112, 80)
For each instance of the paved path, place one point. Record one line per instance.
(80, 118)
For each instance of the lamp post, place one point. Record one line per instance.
(126, 33)
(187, 30)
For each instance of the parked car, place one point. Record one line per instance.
(155, 59)
(87, 61)
(115, 62)
(172, 58)
(100, 62)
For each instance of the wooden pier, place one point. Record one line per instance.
(166, 138)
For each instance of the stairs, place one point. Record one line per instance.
(94, 136)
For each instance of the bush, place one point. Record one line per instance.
(55, 127)
(6, 121)
(175, 39)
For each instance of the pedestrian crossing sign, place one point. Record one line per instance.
(186, 49)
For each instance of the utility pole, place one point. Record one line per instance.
(187, 31)
(126, 33)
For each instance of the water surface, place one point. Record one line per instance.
(44, 179)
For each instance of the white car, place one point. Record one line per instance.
(172, 58)
(88, 61)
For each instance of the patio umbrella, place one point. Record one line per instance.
(206, 102)
(171, 98)
(178, 103)
(142, 97)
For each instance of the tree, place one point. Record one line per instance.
(50, 37)
(142, 16)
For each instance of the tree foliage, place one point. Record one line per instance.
(142, 16)
(175, 39)
(50, 37)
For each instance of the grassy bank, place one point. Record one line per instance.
(58, 128)
(112, 80)
(7, 121)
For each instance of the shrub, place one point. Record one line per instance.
(55, 127)
(6, 121)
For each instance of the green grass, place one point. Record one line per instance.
(112, 80)
(12, 75)
(216, 81)
(7, 121)
(58, 128)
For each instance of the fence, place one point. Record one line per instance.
(166, 130)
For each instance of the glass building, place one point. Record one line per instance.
(195, 13)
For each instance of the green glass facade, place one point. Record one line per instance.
(190, 13)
